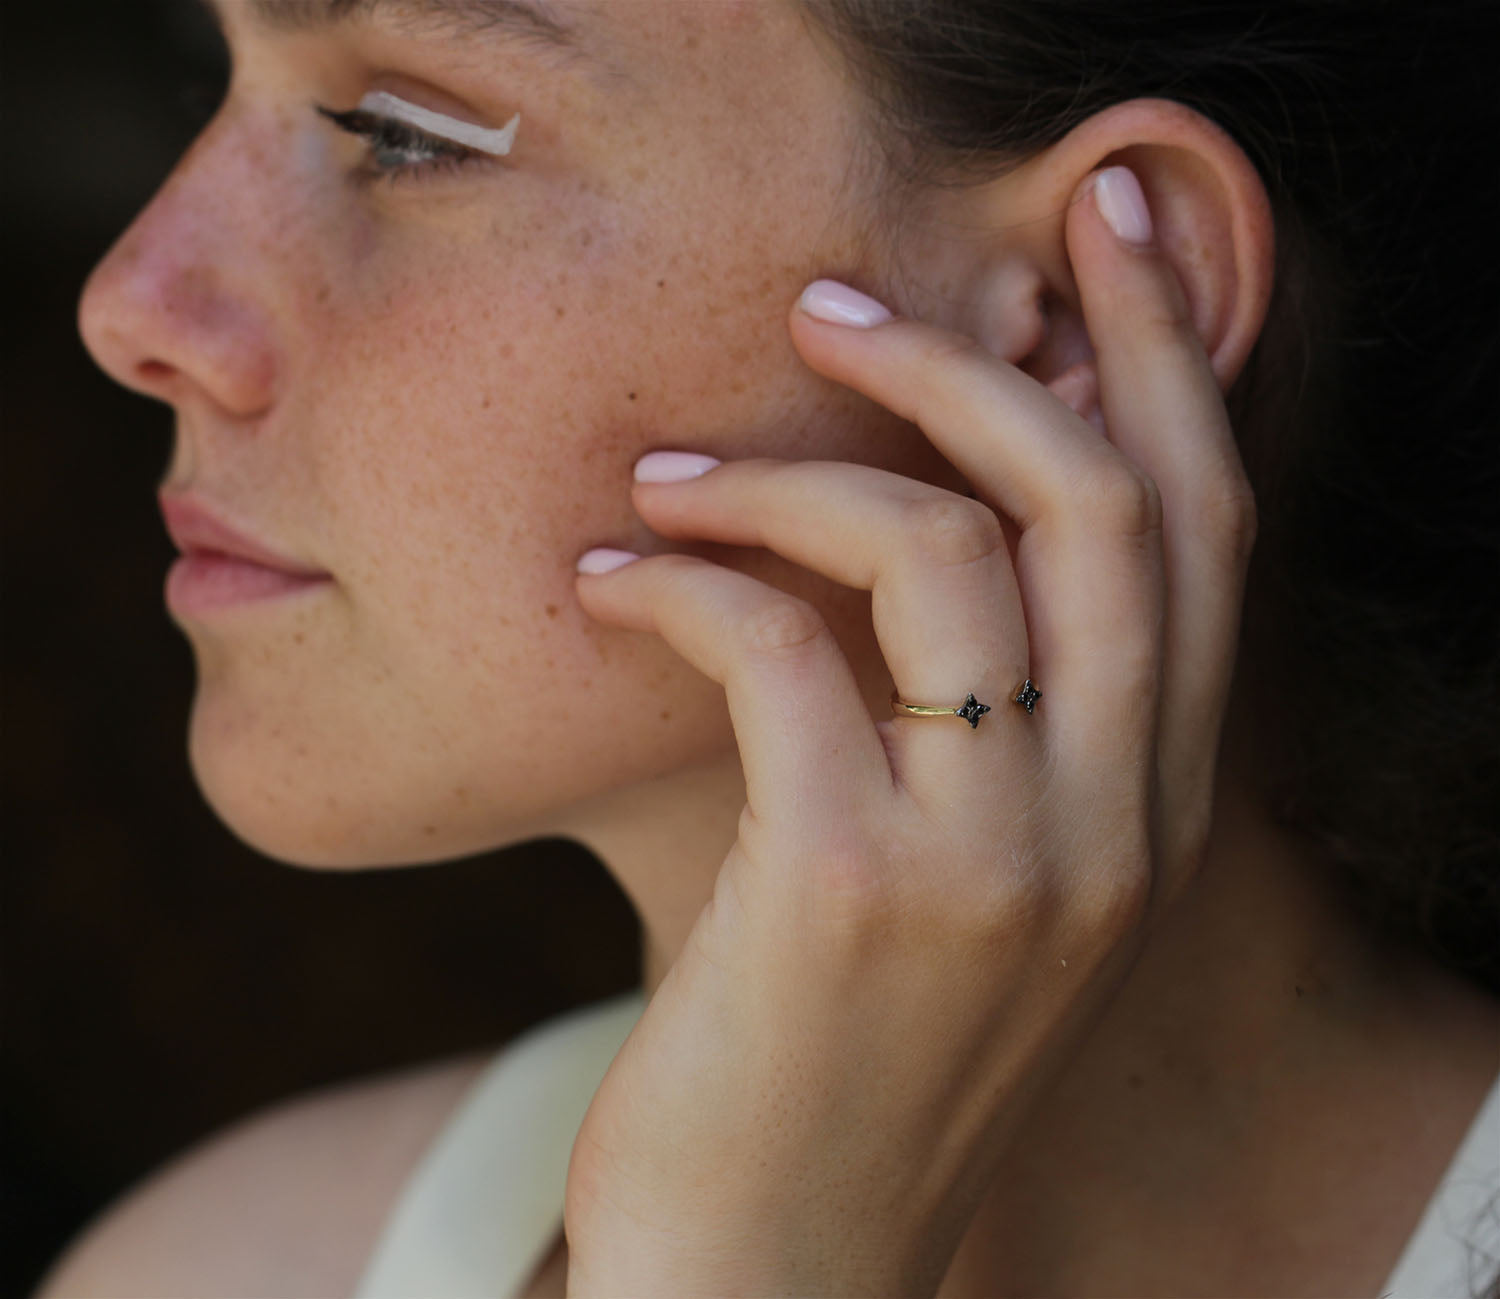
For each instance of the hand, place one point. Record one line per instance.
(919, 918)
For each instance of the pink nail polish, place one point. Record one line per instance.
(672, 466)
(838, 304)
(604, 560)
(1123, 205)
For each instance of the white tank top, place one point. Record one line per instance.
(483, 1208)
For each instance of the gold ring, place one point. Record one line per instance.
(971, 710)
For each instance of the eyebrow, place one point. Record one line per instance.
(526, 19)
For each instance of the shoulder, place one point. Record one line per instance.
(288, 1201)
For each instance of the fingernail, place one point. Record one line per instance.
(840, 305)
(672, 466)
(604, 560)
(1122, 204)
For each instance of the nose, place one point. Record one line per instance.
(179, 308)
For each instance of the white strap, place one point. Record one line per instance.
(1456, 1247)
(484, 1206)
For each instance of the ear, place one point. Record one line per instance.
(1002, 243)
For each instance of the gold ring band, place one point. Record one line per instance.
(971, 710)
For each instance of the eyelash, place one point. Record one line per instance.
(435, 156)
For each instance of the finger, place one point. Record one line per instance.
(807, 744)
(945, 604)
(1087, 558)
(1163, 408)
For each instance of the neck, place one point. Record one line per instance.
(664, 841)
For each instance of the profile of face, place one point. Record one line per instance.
(430, 379)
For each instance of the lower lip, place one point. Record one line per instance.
(203, 581)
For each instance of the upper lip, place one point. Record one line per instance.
(194, 528)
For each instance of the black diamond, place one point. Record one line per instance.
(1028, 695)
(972, 711)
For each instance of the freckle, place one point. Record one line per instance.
(1135, 1082)
(561, 312)
(485, 404)
(461, 793)
(552, 611)
(666, 714)
(298, 638)
(737, 386)
(661, 284)
(631, 395)
(586, 238)
(507, 350)
(1298, 989)
(429, 829)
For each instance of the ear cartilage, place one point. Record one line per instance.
(465, 133)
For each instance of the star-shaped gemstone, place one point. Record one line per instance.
(1028, 695)
(972, 711)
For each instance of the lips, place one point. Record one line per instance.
(196, 531)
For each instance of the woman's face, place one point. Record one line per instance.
(433, 385)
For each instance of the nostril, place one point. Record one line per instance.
(170, 327)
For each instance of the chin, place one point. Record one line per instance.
(305, 806)
(352, 769)
(320, 831)
(342, 805)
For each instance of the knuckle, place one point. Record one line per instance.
(854, 893)
(1228, 514)
(1111, 902)
(1135, 666)
(1021, 897)
(949, 349)
(781, 626)
(1126, 502)
(1169, 326)
(1167, 318)
(851, 900)
(952, 529)
(1189, 847)
(672, 566)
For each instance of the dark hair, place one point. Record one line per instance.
(1366, 412)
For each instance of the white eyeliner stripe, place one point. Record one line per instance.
(465, 133)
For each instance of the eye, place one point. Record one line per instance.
(399, 151)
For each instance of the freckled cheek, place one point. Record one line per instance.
(458, 447)
(483, 414)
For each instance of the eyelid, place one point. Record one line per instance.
(498, 142)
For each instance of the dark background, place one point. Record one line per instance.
(160, 979)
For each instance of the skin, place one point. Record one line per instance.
(436, 390)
